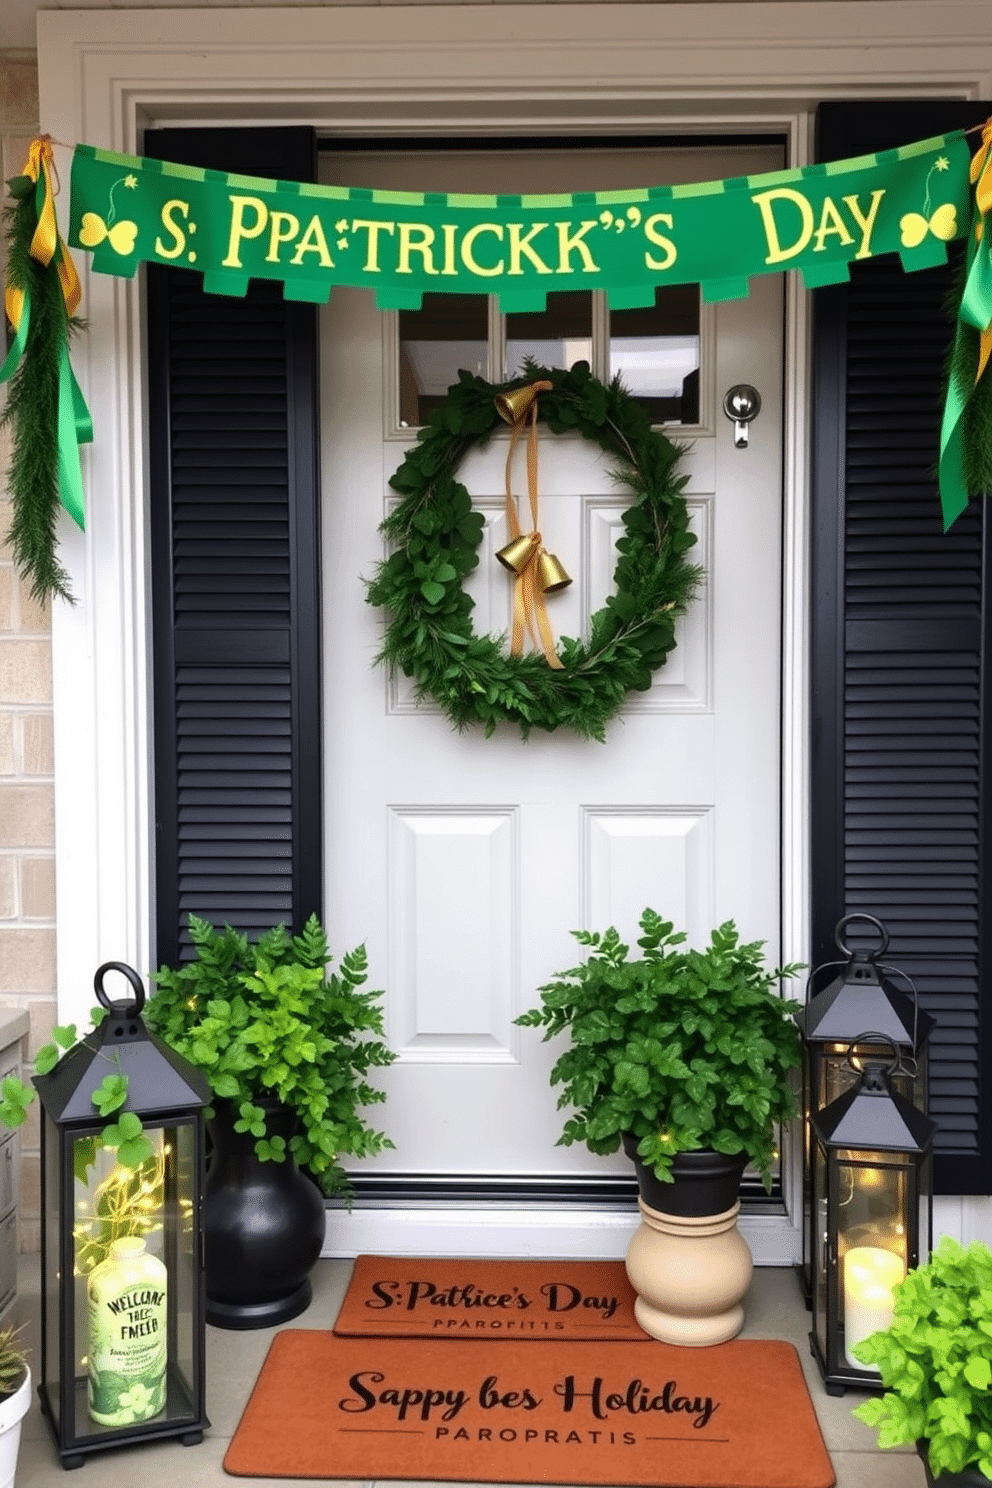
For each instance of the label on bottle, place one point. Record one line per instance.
(127, 1359)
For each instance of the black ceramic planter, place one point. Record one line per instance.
(706, 1182)
(970, 1478)
(263, 1226)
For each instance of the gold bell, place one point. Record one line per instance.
(550, 575)
(514, 405)
(518, 553)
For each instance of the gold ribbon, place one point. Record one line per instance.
(47, 242)
(981, 179)
(529, 610)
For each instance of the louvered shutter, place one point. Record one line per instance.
(901, 751)
(235, 561)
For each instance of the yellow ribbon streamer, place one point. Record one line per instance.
(981, 179)
(47, 242)
(529, 610)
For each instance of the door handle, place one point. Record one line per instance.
(741, 404)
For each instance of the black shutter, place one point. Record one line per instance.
(235, 578)
(902, 747)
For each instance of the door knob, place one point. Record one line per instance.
(741, 404)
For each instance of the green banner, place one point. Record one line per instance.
(231, 228)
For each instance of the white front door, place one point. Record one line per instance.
(464, 862)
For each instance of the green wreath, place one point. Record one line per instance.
(436, 536)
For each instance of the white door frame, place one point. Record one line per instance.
(106, 75)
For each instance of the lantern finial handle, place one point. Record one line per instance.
(130, 1009)
(868, 919)
(872, 1036)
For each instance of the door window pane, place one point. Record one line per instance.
(559, 336)
(448, 333)
(656, 352)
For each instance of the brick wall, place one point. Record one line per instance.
(27, 791)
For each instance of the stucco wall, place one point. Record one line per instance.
(27, 791)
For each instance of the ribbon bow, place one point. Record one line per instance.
(975, 311)
(524, 554)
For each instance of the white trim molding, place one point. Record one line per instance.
(106, 75)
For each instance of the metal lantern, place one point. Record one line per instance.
(871, 1184)
(835, 1048)
(122, 1305)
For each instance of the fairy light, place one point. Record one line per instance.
(127, 1202)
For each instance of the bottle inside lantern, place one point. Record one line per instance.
(128, 1349)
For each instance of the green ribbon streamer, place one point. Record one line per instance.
(19, 342)
(975, 310)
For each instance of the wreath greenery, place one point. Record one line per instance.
(436, 536)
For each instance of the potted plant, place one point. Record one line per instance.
(286, 1045)
(15, 1400)
(935, 1360)
(686, 1058)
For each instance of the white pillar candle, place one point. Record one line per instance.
(870, 1274)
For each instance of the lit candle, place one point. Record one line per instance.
(869, 1277)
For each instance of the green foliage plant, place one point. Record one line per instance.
(268, 1019)
(935, 1359)
(435, 536)
(684, 1049)
(14, 1355)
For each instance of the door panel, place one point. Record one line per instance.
(465, 862)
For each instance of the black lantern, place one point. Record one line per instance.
(122, 1304)
(835, 1048)
(871, 1191)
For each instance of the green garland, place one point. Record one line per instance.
(436, 535)
(32, 407)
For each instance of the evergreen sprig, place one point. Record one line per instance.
(32, 407)
(436, 536)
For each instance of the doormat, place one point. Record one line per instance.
(734, 1416)
(389, 1297)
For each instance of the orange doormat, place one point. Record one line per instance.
(389, 1297)
(735, 1416)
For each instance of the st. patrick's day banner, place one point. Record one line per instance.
(125, 210)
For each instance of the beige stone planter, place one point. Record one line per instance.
(690, 1273)
(687, 1260)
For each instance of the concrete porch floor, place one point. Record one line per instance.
(774, 1310)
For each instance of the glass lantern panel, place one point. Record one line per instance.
(836, 1073)
(448, 332)
(820, 1248)
(51, 1272)
(134, 1248)
(872, 1242)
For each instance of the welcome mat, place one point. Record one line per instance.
(735, 1416)
(390, 1297)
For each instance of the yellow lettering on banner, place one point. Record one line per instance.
(567, 241)
(521, 246)
(313, 241)
(421, 244)
(830, 222)
(239, 229)
(866, 224)
(763, 201)
(660, 241)
(172, 227)
(450, 231)
(285, 227)
(371, 265)
(468, 246)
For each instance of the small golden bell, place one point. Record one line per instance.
(513, 406)
(518, 553)
(550, 575)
